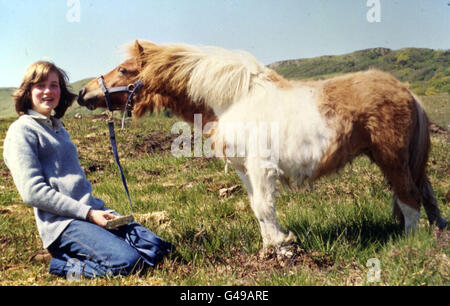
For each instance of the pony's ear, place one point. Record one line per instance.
(139, 51)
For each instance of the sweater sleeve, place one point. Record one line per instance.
(20, 153)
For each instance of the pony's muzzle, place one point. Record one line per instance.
(81, 94)
(87, 98)
(82, 101)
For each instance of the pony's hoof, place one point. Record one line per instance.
(287, 251)
(442, 223)
(281, 252)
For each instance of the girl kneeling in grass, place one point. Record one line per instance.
(47, 173)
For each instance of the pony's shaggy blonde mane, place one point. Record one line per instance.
(210, 75)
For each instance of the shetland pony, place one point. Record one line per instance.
(320, 125)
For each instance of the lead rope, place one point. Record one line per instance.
(112, 140)
(131, 89)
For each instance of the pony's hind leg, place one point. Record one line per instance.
(396, 211)
(429, 203)
(406, 200)
(411, 215)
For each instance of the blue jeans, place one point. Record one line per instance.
(90, 250)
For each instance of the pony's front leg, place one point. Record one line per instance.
(262, 199)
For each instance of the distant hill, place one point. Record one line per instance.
(427, 70)
(6, 102)
(80, 84)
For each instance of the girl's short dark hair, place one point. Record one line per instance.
(38, 72)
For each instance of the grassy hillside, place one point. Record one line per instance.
(79, 84)
(6, 102)
(428, 71)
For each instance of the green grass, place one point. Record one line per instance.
(438, 109)
(340, 224)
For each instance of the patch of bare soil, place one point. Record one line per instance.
(300, 257)
(5, 241)
(4, 172)
(98, 117)
(442, 237)
(251, 267)
(40, 256)
(248, 269)
(93, 168)
(154, 142)
(437, 129)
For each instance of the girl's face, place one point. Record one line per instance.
(45, 95)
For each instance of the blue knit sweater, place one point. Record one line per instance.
(47, 173)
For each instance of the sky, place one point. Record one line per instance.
(86, 37)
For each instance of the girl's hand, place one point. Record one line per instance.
(99, 217)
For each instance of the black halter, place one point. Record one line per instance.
(131, 89)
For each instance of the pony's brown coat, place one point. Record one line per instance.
(371, 112)
(375, 114)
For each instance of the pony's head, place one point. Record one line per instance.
(127, 73)
(163, 86)
(92, 97)
(187, 79)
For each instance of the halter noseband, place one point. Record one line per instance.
(131, 89)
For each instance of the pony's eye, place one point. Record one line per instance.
(121, 70)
